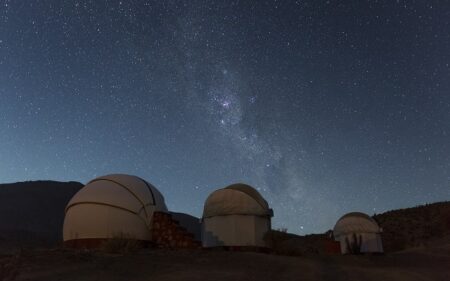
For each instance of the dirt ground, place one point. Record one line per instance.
(151, 264)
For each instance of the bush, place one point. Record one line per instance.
(354, 246)
(121, 244)
(287, 244)
(10, 267)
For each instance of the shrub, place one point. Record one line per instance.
(10, 267)
(288, 244)
(121, 244)
(354, 246)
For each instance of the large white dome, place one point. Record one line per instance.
(113, 205)
(355, 222)
(236, 199)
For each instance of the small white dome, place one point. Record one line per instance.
(355, 222)
(236, 199)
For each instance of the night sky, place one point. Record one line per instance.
(324, 106)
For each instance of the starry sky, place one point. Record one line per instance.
(325, 107)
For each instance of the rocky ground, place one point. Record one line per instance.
(426, 263)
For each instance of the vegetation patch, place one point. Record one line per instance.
(121, 244)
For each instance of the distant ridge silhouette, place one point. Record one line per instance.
(32, 212)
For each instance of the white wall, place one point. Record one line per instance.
(234, 230)
(370, 242)
(103, 221)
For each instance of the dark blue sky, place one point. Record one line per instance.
(324, 106)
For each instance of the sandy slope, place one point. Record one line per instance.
(418, 264)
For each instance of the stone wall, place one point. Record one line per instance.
(168, 233)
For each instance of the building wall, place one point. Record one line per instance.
(234, 230)
(168, 233)
(370, 242)
(87, 221)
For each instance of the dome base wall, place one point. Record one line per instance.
(96, 243)
(235, 231)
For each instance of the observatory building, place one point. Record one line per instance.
(112, 206)
(358, 233)
(236, 215)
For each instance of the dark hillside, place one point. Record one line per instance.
(34, 211)
(415, 227)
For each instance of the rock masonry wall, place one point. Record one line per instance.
(168, 233)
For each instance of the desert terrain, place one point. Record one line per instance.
(426, 263)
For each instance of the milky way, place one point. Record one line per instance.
(324, 106)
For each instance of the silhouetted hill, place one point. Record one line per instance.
(33, 212)
(414, 227)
